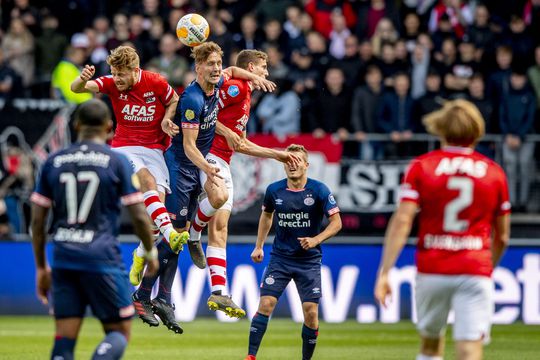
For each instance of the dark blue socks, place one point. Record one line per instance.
(63, 348)
(111, 348)
(256, 332)
(309, 340)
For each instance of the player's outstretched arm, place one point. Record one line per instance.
(265, 224)
(142, 228)
(43, 272)
(332, 229)
(250, 148)
(501, 237)
(258, 82)
(395, 238)
(83, 83)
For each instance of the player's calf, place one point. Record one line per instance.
(111, 348)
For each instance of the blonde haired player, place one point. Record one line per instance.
(141, 101)
(461, 198)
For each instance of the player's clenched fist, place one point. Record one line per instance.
(88, 72)
(257, 255)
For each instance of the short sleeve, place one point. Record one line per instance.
(163, 89)
(129, 183)
(329, 203)
(42, 194)
(268, 202)
(409, 189)
(189, 111)
(233, 91)
(504, 207)
(104, 84)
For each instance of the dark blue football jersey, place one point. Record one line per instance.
(196, 110)
(298, 213)
(85, 185)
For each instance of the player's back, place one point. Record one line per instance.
(85, 184)
(460, 193)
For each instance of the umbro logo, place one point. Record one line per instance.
(123, 97)
(279, 201)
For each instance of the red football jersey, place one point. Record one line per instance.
(234, 106)
(139, 111)
(460, 193)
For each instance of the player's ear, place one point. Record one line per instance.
(109, 126)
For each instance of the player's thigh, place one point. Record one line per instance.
(307, 278)
(134, 155)
(473, 306)
(277, 276)
(155, 163)
(109, 296)
(433, 302)
(182, 201)
(68, 295)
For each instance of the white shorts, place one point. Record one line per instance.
(141, 157)
(225, 173)
(471, 298)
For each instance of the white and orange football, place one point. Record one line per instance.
(192, 30)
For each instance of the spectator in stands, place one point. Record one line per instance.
(395, 116)
(534, 78)
(140, 37)
(500, 77)
(120, 32)
(221, 36)
(445, 59)
(517, 108)
(420, 66)
(168, 64)
(248, 38)
(402, 55)
(365, 103)
(430, 101)
(457, 11)
(369, 15)
(320, 11)
(385, 32)
(388, 64)
(18, 46)
(477, 96)
(350, 64)
(10, 81)
(331, 110)
(319, 52)
(411, 30)
(293, 27)
(457, 80)
(276, 67)
(65, 72)
(28, 14)
(480, 32)
(272, 9)
(338, 35)
(50, 47)
(274, 34)
(278, 112)
(444, 31)
(101, 25)
(520, 40)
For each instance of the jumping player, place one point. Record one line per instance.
(141, 100)
(298, 204)
(84, 185)
(197, 117)
(461, 198)
(234, 107)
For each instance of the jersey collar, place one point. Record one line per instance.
(458, 149)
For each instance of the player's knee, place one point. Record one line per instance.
(147, 180)
(266, 305)
(218, 199)
(311, 317)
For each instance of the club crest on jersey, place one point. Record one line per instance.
(233, 91)
(123, 97)
(150, 99)
(309, 201)
(331, 199)
(190, 115)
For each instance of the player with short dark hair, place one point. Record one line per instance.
(461, 198)
(298, 205)
(84, 186)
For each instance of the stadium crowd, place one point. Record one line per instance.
(345, 67)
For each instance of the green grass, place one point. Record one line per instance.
(31, 338)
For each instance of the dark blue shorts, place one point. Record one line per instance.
(185, 190)
(109, 295)
(306, 276)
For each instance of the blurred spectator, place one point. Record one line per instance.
(478, 97)
(499, 78)
(101, 25)
(338, 34)
(50, 46)
(480, 32)
(28, 14)
(303, 73)
(331, 111)
(65, 72)
(317, 47)
(320, 11)
(221, 36)
(456, 81)
(446, 58)
(520, 40)
(279, 112)
(385, 32)
(420, 66)
(444, 31)
(370, 13)
(276, 67)
(517, 108)
(350, 64)
(248, 38)
(402, 55)
(293, 27)
(430, 101)
(168, 64)
(120, 31)
(458, 13)
(10, 81)
(388, 64)
(274, 35)
(365, 103)
(272, 9)
(534, 78)
(411, 30)
(18, 47)
(395, 116)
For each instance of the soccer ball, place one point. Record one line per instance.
(192, 29)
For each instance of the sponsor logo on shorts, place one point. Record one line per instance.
(316, 290)
(127, 311)
(233, 91)
(309, 201)
(270, 280)
(190, 114)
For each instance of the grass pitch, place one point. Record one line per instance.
(31, 338)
